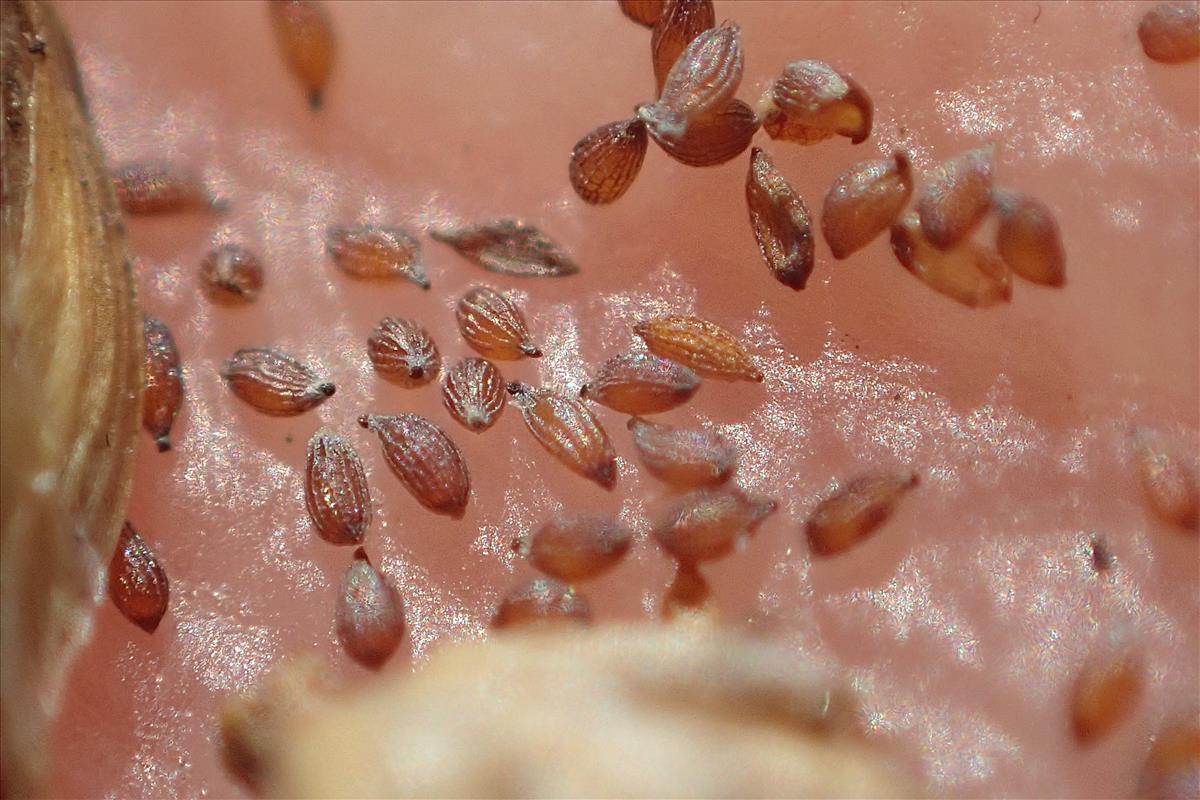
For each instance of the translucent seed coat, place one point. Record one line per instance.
(579, 547)
(403, 352)
(367, 251)
(708, 524)
(970, 274)
(163, 395)
(855, 511)
(569, 431)
(369, 615)
(864, 202)
(274, 383)
(137, 582)
(494, 326)
(703, 346)
(474, 393)
(683, 457)
(425, 460)
(540, 602)
(511, 247)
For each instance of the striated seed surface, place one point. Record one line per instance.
(1168, 483)
(714, 139)
(780, 221)
(163, 395)
(689, 592)
(368, 251)
(425, 460)
(605, 163)
(231, 274)
(335, 490)
(157, 188)
(970, 274)
(305, 36)
(811, 101)
(474, 393)
(369, 615)
(957, 197)
(683, 457)
(569, 431)
(864, 202)
(510, 247)
(274, 383)
(701, 82)
(494, 326)
(578, 547)
(1172, 768)
(643, 12)
(705, 347)
(540, 602)
(641, 383)
(708, 524)
(1028, 240)
(403, 352)
(137, 582)
(1170, 32)
(855, 511)
(1105, 693)
(679, 23)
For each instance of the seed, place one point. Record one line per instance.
(370, 613)
(366, 251)
(1102, 557)
(164, 383)
(643, 12)
(709, 523)
(1168, 483)
(714, 139)
(493, 325)
(704, 346)
(274, 383)
(137, 583)
(569, 431)
(305, 35)
(680, 22)
(156, 188)
(1170, 32)
(688, 593)
(605, 162)
(510, 247)
(864, 202)
(641, 383)
(335, 490)
(579, 547)
(231, 274)
(402, 352)
(683, 457)
(856, 511)
(780, 221)
(971, 274)
(541, 602)
(957, 197)
(1105, 693)
(812, 101)
(474, 393)
(1172, 768)
(1028, 241)
(702, 81)
(425, 460)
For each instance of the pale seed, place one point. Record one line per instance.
(708, 524)
(335, 490)
(641, 383)
(541, 602)
(579, 547)
(510, 247)
(494, 326)
(425, 460)
(971, 274)
(163, 395)
(403, 352)
(683, 457)
(780, 221)
(1168, 483)
(274, 383)
(855, 511)
(474, 393)
(569, 431)
(1105, 693)
(137, 582)
(370, 613)
(864, 201)
(704, 346)
(1172, 768)
(605, 163)
(367, 251)
(1028, 241)
(957, 197)
(811, 101)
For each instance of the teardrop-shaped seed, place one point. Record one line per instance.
(569, 431)
(403, 352)
(708, 524)
(137, 582)
(367, 251)
(643, 12)
(679, 23)
(641, 383)
(714, 139)
(474, 393)
(855, 511)
(780, 221)
(163, 394)
(493, 325)
(704, 346)
(971, 274)
(1168, 483)
(683, 457)
(231, 274)
(1028, 241)
(335, 490)
(1105, 693)
(1172, 768)
(579, 547)
(956, 198)
(702, 82)
(605, 162)
(811, 101)
(370, 613)
(510, 247)
(864, 201)
(540, 602)
(425, 460)
(688, 593)
(157, 188)
(305, 36)
(274, 383)
(1170, 32)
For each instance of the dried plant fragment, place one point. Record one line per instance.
(494, 326)
(474, 393)
(163, 394)
(137, 583)
(679, 23)
(715, 139)
(1168, 483)
(368, 251)
(643, 12)
(689, 592)
(541, 602)
(1172, 768)
(855, 511)
(274, 383)
(605, 163)
(370, 614)
(1105, 693)
(683, 457)
(335, 490)
(708, 524)
(971, 274)
(705, 347)
(864, 202)
(155, 188)
(641, 383)
(957, 197)
(579, 547)
(780, 221)
(811, 101)
(702, 82)
(510, 247)
(569, 431)
(1028, 241)
(231, 274)
(1170, 32)
(425, 460)
(403, 352)
(305, 36)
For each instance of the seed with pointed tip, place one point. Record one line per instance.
(1105, 693)
(708, 524)
(1168, 483)
(705, 347)
(957, 197)
(370, 613)
(864, 202)
(368, 251)
(335, 489)
(643, 12)
(541, 602)
(403, 352)
(702, 82)
(163, 394)
(1028, 241)
(510, 247)
(274, 383)
(579, 547)
(158, 188)
(971, 274)
(780, 221)
(137, 582)
(688, 593)
(425, 460)
(811, 101)
(1172, 768)
(855, 511)
(305, 36)
(679, 23)
(493, 325)
(474, 393)
(231, 274)
(1170, 32)
(714, 139)
(568, 430)
(683, 457)
(605, 162)
(641, 383)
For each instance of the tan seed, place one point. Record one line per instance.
(510, 247)
(474, 393)
(137, 582)
(305, 36)
(714, 139)
(403, 352)
(605, 163)
(163, 395)
(678, 24)
(494, 326)
(1168, 483)
(689, 592)
(425, 460)
(1172, 768)
(367, 251)
(864, 202)
(569, 431)
(780, 221)
(811, 101)
(370, 614)
(231, 274)
(1170, 32)
(683, 457)
(957, 197)
(274, 383)
(643, 12)
(708, 524)
(641, 383)
(1028, 241)
(970, 274)
(579, 547)
(157, 188)
(541, 602)
(335, 490)
(1105, 693)
(702, 82)
(705, 347)
(855, 511)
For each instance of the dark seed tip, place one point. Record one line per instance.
(416, 372)
(360, 554)
(515, 387)
(315, 100)
(531, 350)
(327, 389)
(364, 421)
(756, 376)
(164, 444)
(148, 624)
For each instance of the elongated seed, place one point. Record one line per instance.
(159, 188)
(494, 326)
(643, 12)
(579, 547)
(864, 201)
(701, 82)
(274, 383)
(1172, 768)
(510, 247)
(137, 582)
(605, 163)
(970, 274)
(780, 221)
(811, 101)
(708, 524)
(957, 197)
(1027, 239)
(541, 602)
(163, 394)
(370, 613)
(683, 457)
(335, 490)
(641, 383)
(305, 36)
(403, 352)
(1168, 483)
(705, 347)
(1170, 32)
(715, 139)
(1105, 693)
(688, 593)
(231, 274)
(855, 511)
(569, 431)
(425, 460)
(678, 24)
(474, 393)
(368, 251)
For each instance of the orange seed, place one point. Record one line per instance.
(1168, 483)
(163, 394)
(678, 24)
(569, 431)
(643, 12)
(683, 457)
(641, 383)
(425, 460)
(1105, 693)
(1172, 768)
(864, 202)
(158, 188)
(579, 547)
(274, 383)
(605, 163)
(688, 593)
(402, 352)
(493, 325)
(231, 274)
(137, 582)
(855, 511)
(335, 490)
(780, 221)
(811, 101)
(368, 251)
(474, 393)
(305, 36)
(704, 346)
(510, 247)
(708, 524)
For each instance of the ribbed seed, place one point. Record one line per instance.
(474, 393)
(605, 163)
(569, 431)
(1028, 241)
(494, 326)
(1105, 693)
(855, 511)
(425, 460)
(1168, 483)
(1170, 32)
(864, 202)
(137, 582)
(956, 198)
(678, 24)
(683, 457)
(708, 524)
(704, 346)
(370, 613)
(1172, 768)
(641, 383)
(367, 251)
(579, 547)
(335, 490)
(780, 221)
(811, 101)
(274, 383)
(156, 188)
(714, 139)
(971, 274)
(643, 12)
(540, 602)
(510, 247)
(403, 352)
(688, 593)
(231, 274)
(701, 82)
(305, 36)
(163, 394)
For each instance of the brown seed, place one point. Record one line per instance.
(605, 162)
(703, 346)
(474, 393)
(425, 460)
(678, 24)
(811, 101)
(231, 274)
(370, 613)
(1170, 32)
(864, 202)
(164, 383)
(1102, 557)
(274, 383)
(1168, 483)
(510, 247)
(641, 383)
(367, 251)
(855, 511)
(305, 36)
(1105, 693)
(1028, 241)
(541, 602)
(493, 325)
(1172, 768)
(137, 583)
(643, 12)
(569, 431)
(702, 82)
(957, 197)
(780, 221)
(708, 524)
(155, 188)
(335, 490)
(579, 547)
(712, 140)
(683, 457)
(971, 274)
(402, 352)
(688, 593)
